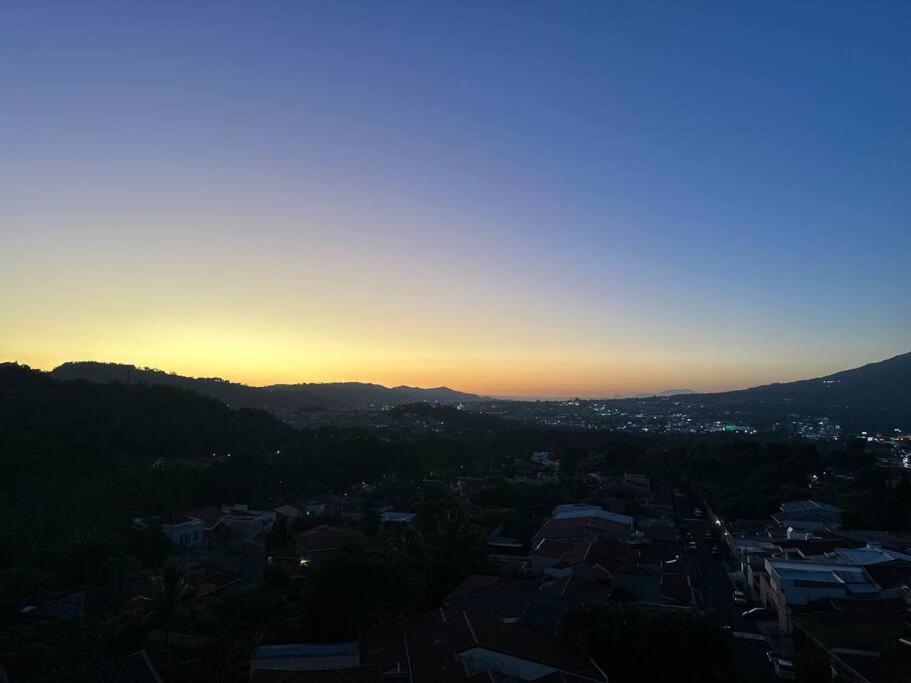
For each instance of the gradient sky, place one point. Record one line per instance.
(517, 198)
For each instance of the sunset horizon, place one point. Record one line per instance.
(534, 203)
(509, 393)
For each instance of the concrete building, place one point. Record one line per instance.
(808, 515)
(797, 584)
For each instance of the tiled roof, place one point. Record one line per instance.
(427, 648)
(807, 506)
(134, 668)
(325, 537)
(210, 515)
(369, 673)
(473, 583)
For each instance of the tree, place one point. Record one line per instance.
(633, 645)
(149, 545)
(173, 597)
(278, 534)
(358, 590)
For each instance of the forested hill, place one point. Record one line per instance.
(281, 399)
(76, 460)
(876, 396)
(68, 419)
(231, 393)
(362, 395)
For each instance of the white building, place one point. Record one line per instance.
(248, 523)
(188, 536)
(794, 583)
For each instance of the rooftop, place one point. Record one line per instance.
(808, 506)
(869, 555)
(821, 573)
(589, 512)
(432, 646)
(134, 668)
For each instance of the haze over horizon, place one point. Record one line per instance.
(513, 200)
(530, 397)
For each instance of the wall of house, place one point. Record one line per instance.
(801, 595)
(189, 538)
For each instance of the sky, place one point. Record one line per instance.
(512, 198)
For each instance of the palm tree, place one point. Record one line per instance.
(173, 595)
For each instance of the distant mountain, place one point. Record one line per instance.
(281, 399)
(675, 392)
(361, 395)
(665, 393)
(873, 397)
(233, 394)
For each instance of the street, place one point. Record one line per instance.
(715, 594)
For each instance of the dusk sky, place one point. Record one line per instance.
(512, 198)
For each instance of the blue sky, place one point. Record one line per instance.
(523, 198)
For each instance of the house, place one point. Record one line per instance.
(251, 524)
(83, 605)
(643, 584)
(659, 533)
(892, 540)
(188, 536)
(796, 584)
(453, 645)
(390, 517)
(869, 555)
(638, 482)
(134, 668)
(585, 522)
(317, 546)
(305, 657)
(210, 517)
(808, 515)
(508, 554)
(329, 503)
(862, 642)
(369, 673)
(289, 512)
(677, 589)
(540, 604)
(594, 559)
(547, 552)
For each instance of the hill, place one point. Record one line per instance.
(361, 395)
(136, 421)
(280, 399)
(874, 397)
(231, 393)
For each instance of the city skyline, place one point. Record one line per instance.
(510, 200)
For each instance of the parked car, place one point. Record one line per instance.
(715, 550)
(758, 613)
(740, 598)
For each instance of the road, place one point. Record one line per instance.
(715, 589)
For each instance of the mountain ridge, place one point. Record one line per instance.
(277, 398)
(875, 395)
